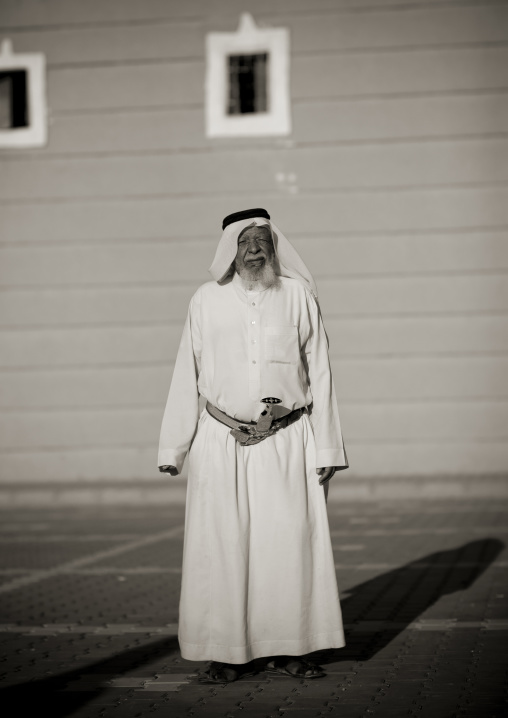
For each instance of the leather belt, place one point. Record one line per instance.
(249, 433)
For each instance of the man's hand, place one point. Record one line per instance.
(326, 474)
(169, 470)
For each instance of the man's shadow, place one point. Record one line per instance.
(393, 599)
(48, 695)
(384, 606)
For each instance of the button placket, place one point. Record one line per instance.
(253, 348)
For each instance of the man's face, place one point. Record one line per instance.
(255, 250)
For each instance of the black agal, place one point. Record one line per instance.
(245, 214)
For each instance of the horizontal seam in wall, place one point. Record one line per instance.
(121, 368)
(129, 283)
(168, 284)
(216, 19)
(140, 62)
(366, 97)
(150, 446)
(83, 111)
(100, 25)
(309, 236)
(107, 326)
(364, 51)
(450, 92)
(283, 191)
(329, 317)
(400, 355)
(135, 408)
(408, 49)
(91, 366)
(277, 146)
(353, 276)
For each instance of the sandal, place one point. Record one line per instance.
(294, 668)
(223, 673)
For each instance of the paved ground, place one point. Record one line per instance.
(88, 606)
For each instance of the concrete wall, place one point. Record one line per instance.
(393, 186)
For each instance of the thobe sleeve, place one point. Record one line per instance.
(324, 416)
(182, 408)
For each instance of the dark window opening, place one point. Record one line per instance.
(13, 99)
(247, 83)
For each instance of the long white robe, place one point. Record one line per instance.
(258, 572)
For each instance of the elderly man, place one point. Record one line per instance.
(258, 574)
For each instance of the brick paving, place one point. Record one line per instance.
(89, 611)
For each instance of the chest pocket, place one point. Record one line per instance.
(282, 345)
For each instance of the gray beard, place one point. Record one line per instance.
(256, 279)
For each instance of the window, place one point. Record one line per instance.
(247, 84)
(13, 100)
(22, 99)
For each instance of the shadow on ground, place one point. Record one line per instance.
(395, 599)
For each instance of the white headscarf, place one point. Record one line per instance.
(290, 263)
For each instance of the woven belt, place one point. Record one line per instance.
(249, 433)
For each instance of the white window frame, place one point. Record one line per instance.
(36, 134)
(248, 40)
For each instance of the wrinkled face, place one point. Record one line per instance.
(255, 249)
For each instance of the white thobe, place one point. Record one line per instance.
(258, 573)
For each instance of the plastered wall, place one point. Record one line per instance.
(393, 186)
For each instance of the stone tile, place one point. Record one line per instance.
(417, 609)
